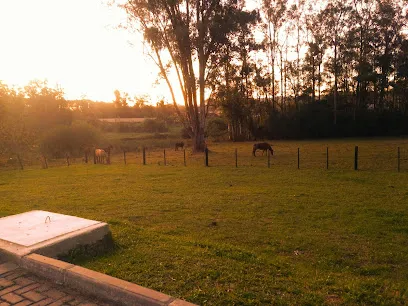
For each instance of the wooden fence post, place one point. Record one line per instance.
(298, 156)
(269, 158)
(108, 160)
(399, 159)
(67, 157)
(206, 156)
(236, 158)
(144, 156)
(185, 157)
(86, 157)
(20, 162)
(327, 158)
(44, 162)
(124, 156)
(356, 158)
(164, 156)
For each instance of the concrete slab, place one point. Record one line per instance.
(48, 233)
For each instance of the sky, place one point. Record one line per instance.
(77, 45)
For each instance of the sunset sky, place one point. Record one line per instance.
(73, 43)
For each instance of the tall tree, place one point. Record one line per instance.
(183, 36)
(336, 13)
(274, 12)
(296, 16)
(389, 21)
(361, 34)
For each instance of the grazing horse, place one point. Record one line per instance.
(178, 145)
(103, 154)
(264, 146)
(100, 156)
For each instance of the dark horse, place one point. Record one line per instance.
(178, 145)
(264, 146)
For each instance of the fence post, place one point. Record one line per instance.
(86, 157)
(44, 162)
(356, 158)
(144, 156)
(206, 156)
(298, 158)
(327, 158)
(164, 156)
(184, 157)
(124, 156)
(20, 162)
(399, 159)
(269, 158)
(236, 158)
(67, 157)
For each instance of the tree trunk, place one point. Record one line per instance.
(198, 142)
(335, 84)
(313, 79)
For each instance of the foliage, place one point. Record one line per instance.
(216, 129)
(73, 140)
(186, 32)
(153, 126)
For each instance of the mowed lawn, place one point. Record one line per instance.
(250, 235)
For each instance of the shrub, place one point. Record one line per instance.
(216, 128)
(154, 126)
(72, 140)
(185, 133)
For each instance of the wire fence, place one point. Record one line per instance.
(305, 156)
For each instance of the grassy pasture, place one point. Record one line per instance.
(242, 236)
(379, 154)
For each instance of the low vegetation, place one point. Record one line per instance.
(250, 235)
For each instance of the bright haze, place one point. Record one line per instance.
(75, 44)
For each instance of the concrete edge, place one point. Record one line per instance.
(64, 243)
(57, 245)
(95, 283)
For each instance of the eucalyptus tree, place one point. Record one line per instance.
(335, 24)
(232, 78)
(389, 22)
(316, 42)
(400, 84)
(361, 33)
(296, 17)
(274, 12)
(184, 36)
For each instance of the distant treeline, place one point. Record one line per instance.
(315, 121)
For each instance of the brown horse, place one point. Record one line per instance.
(178, 145)
(264, 146)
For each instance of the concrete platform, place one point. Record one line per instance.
(47, 233)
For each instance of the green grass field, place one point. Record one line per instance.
(242, 236)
